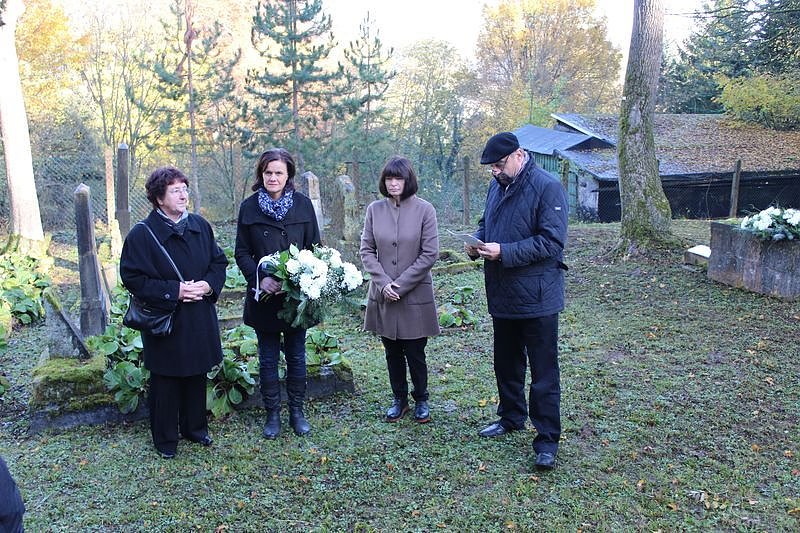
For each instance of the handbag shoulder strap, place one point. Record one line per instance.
(171, 262)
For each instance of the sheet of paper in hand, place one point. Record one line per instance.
(467, 238)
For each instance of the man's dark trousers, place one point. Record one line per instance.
(517, 344)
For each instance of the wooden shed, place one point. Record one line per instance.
(697, 155)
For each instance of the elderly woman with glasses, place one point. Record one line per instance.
(177, 362)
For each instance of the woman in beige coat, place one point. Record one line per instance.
(399, 245)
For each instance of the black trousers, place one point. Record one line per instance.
(177, 403)
(529, 342)
(412, 351)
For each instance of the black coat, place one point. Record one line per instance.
(529, 221)
(258, 235)
(194, 345)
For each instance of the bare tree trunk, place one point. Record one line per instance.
(646, 215)
(189, 38)
(26, 221)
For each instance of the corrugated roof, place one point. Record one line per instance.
(546, 140)
(687, 144)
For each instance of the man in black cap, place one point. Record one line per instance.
(524, 230)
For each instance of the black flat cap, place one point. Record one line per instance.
(499, 146)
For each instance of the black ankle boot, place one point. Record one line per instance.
(397, 411)
(422, 412)
(273, 426)
(298, 421)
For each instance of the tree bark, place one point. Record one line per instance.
(26, 221)
(646, 214)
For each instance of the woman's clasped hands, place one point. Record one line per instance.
(390, 293)
(193, 291)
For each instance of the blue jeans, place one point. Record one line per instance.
(294, 349)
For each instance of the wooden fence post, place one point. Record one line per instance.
(737, 176)
(123, 207)
(466, 191)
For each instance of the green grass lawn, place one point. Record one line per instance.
(680, 407)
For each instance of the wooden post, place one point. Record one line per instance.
(737, 176)
(466, 191)
(123, 210)
(109, 156)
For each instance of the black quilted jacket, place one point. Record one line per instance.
(529, 221)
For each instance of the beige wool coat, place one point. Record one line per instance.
(400, 244)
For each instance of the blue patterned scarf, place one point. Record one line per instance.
(276, 209)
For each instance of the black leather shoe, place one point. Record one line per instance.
(422, 412)
(545, 461)
(206, 441)
(272, 427)
(167, 455)
(496, 429)
(397, 411)
(298, 421)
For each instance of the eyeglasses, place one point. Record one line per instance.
(498, 165)
(180, 190)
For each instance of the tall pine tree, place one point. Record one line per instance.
(293, 90)
(366, 78)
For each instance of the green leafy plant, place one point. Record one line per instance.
(4, 385)
(240, 342)
(234, 279)
(126, 376)
(322, 348)
(128, 382)
(21, 287)
(455, 313)
(230, 383)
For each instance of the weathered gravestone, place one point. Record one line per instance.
(740, 259)
(68, 386)
(94, 299)
(346, 219)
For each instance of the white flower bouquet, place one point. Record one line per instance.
(774, 224)
(312, 282)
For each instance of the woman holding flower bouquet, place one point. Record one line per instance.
(271, 220)
(399, 245)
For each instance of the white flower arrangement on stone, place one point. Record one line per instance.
(774, 223)
(312, 281)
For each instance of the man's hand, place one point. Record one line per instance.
(490, 251)
(471, 251)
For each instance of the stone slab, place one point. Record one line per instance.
(740, 259)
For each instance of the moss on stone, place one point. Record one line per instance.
(456, 268)
(65, 380)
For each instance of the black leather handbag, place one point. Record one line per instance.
(146, 318)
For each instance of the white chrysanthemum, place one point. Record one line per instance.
(306, 257)
(336, 259)
(771, 210)
(762, 221)
(792, 216)
(745, 223)
(318, 267)
(352, 276)
(293, 266)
